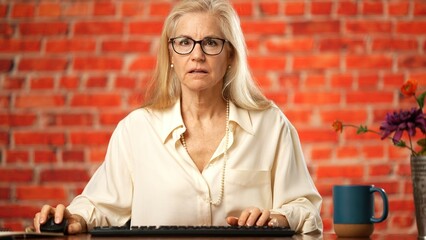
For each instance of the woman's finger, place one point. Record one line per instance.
(263, 219)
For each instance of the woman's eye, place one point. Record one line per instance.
(210, 42)
(183, 42)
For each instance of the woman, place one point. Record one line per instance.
(207, 148)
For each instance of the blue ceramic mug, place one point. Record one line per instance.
(353, 209)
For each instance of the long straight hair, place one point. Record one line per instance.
(239, 86)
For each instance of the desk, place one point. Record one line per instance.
(326, 236)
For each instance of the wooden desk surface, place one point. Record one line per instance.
(326, 236)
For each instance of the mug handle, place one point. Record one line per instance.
(385, 205)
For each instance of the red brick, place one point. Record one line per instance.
(345, 115)
(285, 45)
(64, 175)
(386, 44)
(45, 193)
(297, 116)
(39, 101)
(104, 9)
(269, 7)
(42, 64)
(317, 135)
(69, 82)
(380, 170)
(125, 82)
(146, 27)
(277, 97)
(160, 8)
(77, 8)
(294, 8)
(90, 138)
(111, 118)
(398, 8)
(267, 63)
(130, 46)
(419, 8)
(72, 45)
(3, 10)
(369, 97)
(372, 7)
(258, 27)
(4, 138)
(69, 119)
(347, 8)
(411, 27)
(143, 63)
(321, 7)
(343, 44)
(6, 65)
(98, 63)
(42, 83)
(17, 119)
(373, 151)
(133, 8)
(369, 81)
(97, 82)
(347, 152)
(23, 10)
(5, 193)
(45, 28)
(314, 81)
(13, 45)
(320, 61)
(15, 156)
(96, 100)
(370, 61)
(346, 171)
(315, 27)
(18, 211)
(368, 26)
(243, 8)
(392, 80)
(6, 30)
(16, 175)
(45, 156)
(401, 205)
(49, 10)
(98, 28)
(412, 61)
(38, 138)
(403, 221)
(97, 154)
(73, 156)
(321, 154)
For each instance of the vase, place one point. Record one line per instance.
(418, 177)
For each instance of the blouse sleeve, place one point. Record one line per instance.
(107, 198)
(295, 195)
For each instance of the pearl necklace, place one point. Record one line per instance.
(225, 158)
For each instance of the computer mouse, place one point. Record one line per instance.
(51, 226)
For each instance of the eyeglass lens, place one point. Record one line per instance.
(210, 46)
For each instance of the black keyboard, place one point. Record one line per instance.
(192, 231)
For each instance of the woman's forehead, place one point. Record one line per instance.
(198, 25)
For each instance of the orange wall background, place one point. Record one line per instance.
(70, 70)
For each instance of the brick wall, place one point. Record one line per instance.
(70, 70)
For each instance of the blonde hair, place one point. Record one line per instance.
(239, 86)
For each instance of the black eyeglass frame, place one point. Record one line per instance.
(171, 41)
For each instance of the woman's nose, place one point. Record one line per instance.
(197, 53)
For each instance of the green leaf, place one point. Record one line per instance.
(400, 143)
(421, 99)
(362, 129)
(422, 142)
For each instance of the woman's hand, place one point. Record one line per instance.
(254, 216)
(76, 224)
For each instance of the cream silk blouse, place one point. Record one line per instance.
(149, 177)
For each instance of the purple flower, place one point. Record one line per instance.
(403, 121)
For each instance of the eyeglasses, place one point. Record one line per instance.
(185, 45)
